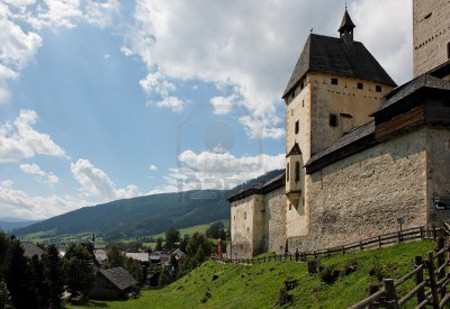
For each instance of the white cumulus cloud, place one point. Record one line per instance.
(41, 176)
(153, 168)
(96, 183)
(19, 140)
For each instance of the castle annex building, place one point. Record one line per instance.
(362, 153)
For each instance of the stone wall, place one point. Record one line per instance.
(438, 142)
(274, 239)
(242, 218)
(431, 34)
(363, 195)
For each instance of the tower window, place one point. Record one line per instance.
(245, 215)
(297, 171)
(378, 88)
(297, 127)
(334, 81)
(287, 172)
(360, 86)
(333, 120)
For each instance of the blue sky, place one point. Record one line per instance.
(101, 100)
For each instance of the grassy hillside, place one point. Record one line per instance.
(257, 286)
(142, 216)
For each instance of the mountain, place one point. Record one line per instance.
(8, 224)
(146, 215)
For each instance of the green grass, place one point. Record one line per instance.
(257, 286)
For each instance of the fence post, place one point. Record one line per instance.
(418, 260)
(434, 233)
(379, 242)
(434, 291)
(296, 255)
(373, 288)
(343, 250)
(315, 255)
(421, 233)
(391, 294)
(441, 261)
(360, 246)
(399, 234)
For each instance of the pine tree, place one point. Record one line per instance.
(77, 265)
(54, 276)
(172, 238)
(159, 244)
(18, 274)
(115, 258)
(39, 283)
(4, 295)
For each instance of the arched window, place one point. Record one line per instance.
(297, 171)
(287, 172)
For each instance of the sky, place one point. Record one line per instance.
(107, 99)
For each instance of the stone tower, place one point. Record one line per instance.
(335, 86)
(431, 28)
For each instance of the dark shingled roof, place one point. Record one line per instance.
(323, 54)
(347, 23)
(31, 249)
(294, 151)
(119, 277)
(423, 81)
(261, 188)
(339, 149)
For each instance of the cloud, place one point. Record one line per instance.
(17, 203)
(209, 170)
(153, 168)
(18, 46)
(244, 45)
(96, 183)
(222, 105)
(40, 175)
(107, 56)
(173, 103)
(18, 140)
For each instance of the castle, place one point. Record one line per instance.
(362, 154)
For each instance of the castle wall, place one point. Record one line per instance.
(275, 221)
(438, 142)
(363, 195)
(431, 34)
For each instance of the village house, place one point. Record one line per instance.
(31, 250)
(112, 284)
(362, 154)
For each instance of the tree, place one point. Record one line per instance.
(39, 282)
(18, 274)
(5, 244)
(54, 276)
(195, 255)
(172, 238)
(159, 244)
(215, 230)
(4, 295)
(136, 270)
(184, 242)
(77, 265)
(115, 258)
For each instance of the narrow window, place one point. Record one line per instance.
(303, 102)
(428, 15)
(378, 88)
(290, 206)
(297, 127)
(334, 81)
(248, 230)
(245, 215)
(360, 86)
(448, 50)
(302, 85)
(333, 120)
(287, 172)
(297, 171)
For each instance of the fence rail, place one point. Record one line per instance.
(431, 282)
(380, 241)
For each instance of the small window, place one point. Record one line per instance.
(245, 215)
(297, 127)
(448, 50)
(302, 85)
(303, 102)
(360, 86)
(287, 172)
(248, 230)
(428, 16)
(333, 120)
(378, 88)
(334, 81)
(297, 171)
(290, 206)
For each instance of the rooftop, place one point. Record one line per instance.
(119, 277)
(330, 55)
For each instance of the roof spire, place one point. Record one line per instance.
(346, 28)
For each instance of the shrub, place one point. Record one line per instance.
(314, 267)
(350, 267)
(283, 297)
(330, 274)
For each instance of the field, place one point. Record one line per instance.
(214, 285)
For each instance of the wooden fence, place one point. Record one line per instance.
(431, 284)
(369, 243)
